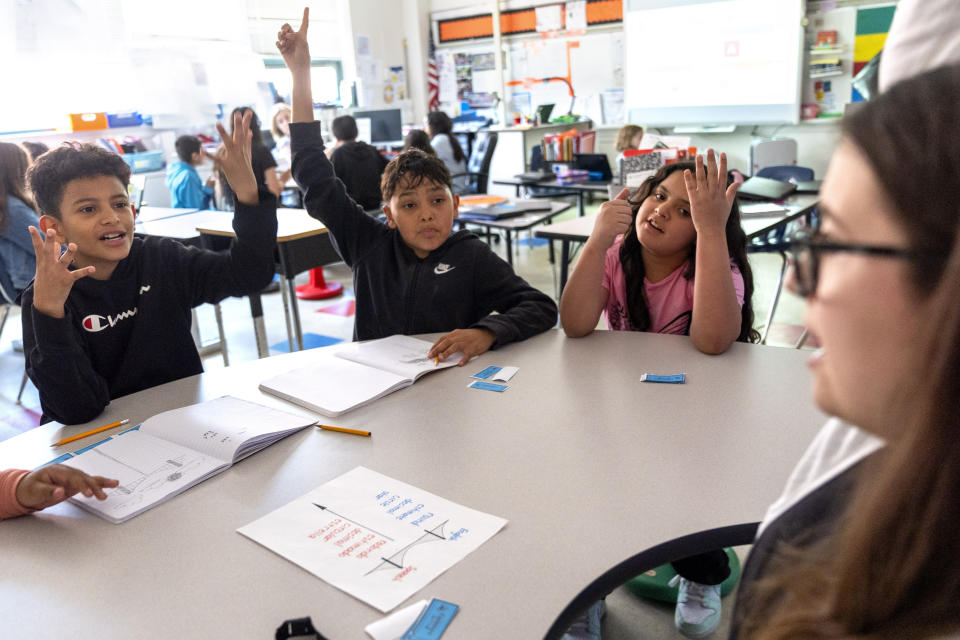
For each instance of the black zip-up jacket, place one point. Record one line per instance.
(132, 331)
(360, 166)
(458, 286)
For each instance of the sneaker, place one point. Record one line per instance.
(698, 608)
(587, 626)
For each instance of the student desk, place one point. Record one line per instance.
(588, 465)
(578, 189)
(516, 223)
(302, 243)
(149, 214)
(759, 230)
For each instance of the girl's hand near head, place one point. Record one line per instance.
(615, 218)
(710, 197)
(293, 44)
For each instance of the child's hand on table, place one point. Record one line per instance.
(46, 486)
(470, 342)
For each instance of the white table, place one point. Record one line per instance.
(588, 465)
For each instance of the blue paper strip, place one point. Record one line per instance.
(62, 458)
(486, 373)
(433, 621)
(87, 448)
(136, 428)
(487, 386)
(677, 378)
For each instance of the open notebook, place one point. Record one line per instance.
(356, 374)
(174, 450)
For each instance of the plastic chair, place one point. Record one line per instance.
(478, 166)
(786, 173)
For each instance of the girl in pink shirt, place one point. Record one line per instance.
(24, 491)
(638, 268)
(638, 265)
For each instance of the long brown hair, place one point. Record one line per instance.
(13, 171)
(631, 258)
(626, 135)
(893, 570)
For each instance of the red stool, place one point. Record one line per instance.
(317, 288)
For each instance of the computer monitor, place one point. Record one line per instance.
(386, 125)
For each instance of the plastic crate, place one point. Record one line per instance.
(131, 119)
(88, 121)
(144, 161)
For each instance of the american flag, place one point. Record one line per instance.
(433, 80)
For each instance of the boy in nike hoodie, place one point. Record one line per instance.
(111, 315)
(410, 275)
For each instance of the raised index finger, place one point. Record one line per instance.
(306, 21)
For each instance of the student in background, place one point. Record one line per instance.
(418, 139)
(280, 128)
(629, 137)
(264, 165)
(410, 274)
(187, 190)
(638, 269)
(440, 130)
(23, 492)
(356, 163)
(111, 314)
(862, 541)
(34, 150)
(17, 262)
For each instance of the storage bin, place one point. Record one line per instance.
(131, 119)
(88, 121)
(144, 161)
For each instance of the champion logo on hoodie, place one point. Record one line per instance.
(94, 323)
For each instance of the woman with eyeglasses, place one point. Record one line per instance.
(862, 543)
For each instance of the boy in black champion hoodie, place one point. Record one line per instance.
(111, 315)
(410, 275)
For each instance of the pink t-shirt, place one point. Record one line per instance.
(670, 301)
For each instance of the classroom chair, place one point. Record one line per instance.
(478, 166)
(786, 173)
(6, 304)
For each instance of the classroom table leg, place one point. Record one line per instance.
(509, 247)
(295, 313)
(285, 297)
(564, 262)
(580, 210)
(776, 298)
(259, 330)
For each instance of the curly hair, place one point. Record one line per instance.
(410, 168)
(49, 175)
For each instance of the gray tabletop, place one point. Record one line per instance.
(588, 465)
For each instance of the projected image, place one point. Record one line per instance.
(720, 62)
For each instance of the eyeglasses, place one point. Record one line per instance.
(807, 247)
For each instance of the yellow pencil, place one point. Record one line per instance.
(436, 361)
(356, 432)
(91, 432)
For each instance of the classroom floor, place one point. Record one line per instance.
(327, 321)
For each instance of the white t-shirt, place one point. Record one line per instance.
(441, 144)
(837, 447)
(925, 34)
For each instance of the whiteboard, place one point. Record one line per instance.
(713, 62)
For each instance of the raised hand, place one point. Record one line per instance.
(293, 44)
(615, 217)
(55, 483)
(53, 279)
(710, 197)
(234, 158)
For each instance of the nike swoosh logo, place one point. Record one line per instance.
(144, 288)
(441, 269)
